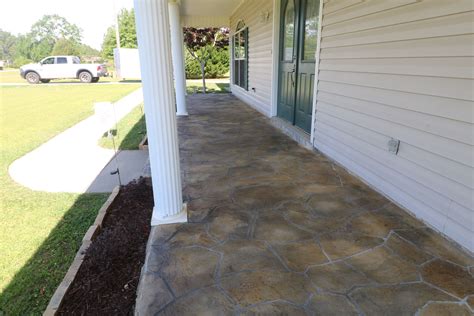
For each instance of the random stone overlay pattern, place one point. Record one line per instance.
(276, 229)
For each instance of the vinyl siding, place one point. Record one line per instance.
(260, 53)
(403, 69)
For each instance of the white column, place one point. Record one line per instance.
(178, 57)
(154, 48)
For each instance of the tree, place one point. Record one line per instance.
(43, 37)
(128, 34)
(217, 66)
(51, 28)
(86, 50)
(7, 45)
(201, 42)
(66, 47)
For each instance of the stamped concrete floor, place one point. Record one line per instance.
(275, 229)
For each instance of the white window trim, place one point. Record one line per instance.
(316, 72)
(275, 55)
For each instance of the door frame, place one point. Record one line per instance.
(276, 61)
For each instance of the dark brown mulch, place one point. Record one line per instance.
(107, 281)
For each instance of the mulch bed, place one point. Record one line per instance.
(107, 280)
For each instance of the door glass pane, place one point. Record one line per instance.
(311, 29)
(289, 31)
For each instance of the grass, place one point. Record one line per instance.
(11, 76)
(220, 85)
(129, 132)
(40, 232)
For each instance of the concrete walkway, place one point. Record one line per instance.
(275, 229)
(73, 162)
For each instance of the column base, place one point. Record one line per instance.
(182, 114)
(182, 217)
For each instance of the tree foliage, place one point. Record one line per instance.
(217, 66)
(7, 45)
(202, 42)
(52, 34)
(127, 33)
(66, 47)
(51, 28)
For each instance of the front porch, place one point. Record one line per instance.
(274, 228)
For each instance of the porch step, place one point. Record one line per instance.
(294, 132)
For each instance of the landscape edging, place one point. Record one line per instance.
(143, 144)
(89, 236)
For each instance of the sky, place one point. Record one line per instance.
(92, 16)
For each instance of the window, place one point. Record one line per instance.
(240, 56)
(48, 61)
(61, 60)
(76, 60)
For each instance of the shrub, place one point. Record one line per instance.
(20, 61)
(217, 66)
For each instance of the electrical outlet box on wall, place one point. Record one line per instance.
(393, 146)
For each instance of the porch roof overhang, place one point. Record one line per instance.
(207, 13)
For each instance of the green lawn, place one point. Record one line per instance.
(129, 132)
(220, 85)
(11, 76)
(41, 232)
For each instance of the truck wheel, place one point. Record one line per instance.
(32, 77)
(45, 80)
(85, 77)
(95, 79)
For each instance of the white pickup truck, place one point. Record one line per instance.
(62, 67)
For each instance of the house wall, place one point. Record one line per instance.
(403, 69)
(260, 53)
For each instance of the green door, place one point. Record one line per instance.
(298, 43)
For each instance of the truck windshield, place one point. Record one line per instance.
(76, 60)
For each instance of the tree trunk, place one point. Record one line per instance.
(203, 73)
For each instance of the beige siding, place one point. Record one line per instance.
(403, 69)
(260, 53)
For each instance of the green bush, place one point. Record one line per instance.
(20, 61)
(217, 66)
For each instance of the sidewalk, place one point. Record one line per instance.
(73, 162)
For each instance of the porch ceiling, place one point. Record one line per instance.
(208, 7)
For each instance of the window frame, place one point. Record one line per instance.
(239, 62)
